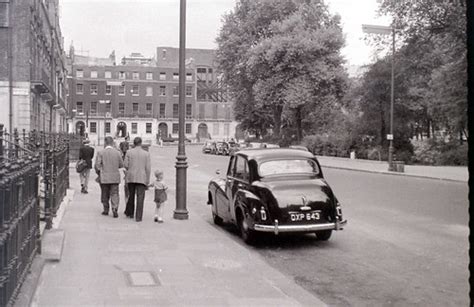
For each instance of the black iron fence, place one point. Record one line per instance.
(34, 178)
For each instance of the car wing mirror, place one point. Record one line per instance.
(218, 171)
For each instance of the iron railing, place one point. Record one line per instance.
(34, 178)
(19, 216)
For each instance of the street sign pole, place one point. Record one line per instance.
(181, 213)
(384, 30)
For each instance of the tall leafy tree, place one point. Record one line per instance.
(434, 59)
(243, 28)
(294, 65)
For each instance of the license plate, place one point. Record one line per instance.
(305, 216)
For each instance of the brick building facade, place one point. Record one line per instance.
(139, 97)
(32, 66)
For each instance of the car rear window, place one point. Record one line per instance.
(288, 166)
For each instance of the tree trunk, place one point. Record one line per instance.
(277, 110)
(299, 128)
(428, 130)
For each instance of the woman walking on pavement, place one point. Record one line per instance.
(86, 153)
(138, 166)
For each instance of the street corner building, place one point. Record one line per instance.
(138, 96)
(32, 66)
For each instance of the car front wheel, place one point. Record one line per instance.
(323, 235)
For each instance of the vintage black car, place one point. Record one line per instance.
(276, 191)
(206, 148)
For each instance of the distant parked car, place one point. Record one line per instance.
(233, 148)
(275, 191)
(206, 148)
(222, 148)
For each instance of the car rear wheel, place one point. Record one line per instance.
(323, 235)
(248, 235)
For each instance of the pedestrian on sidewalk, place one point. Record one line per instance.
(124, 147)
(138, 166)
(160, 189)
(86, 153)
(107, 165)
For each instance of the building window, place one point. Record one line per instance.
(149, 91)
(201, 74)
(79, 107)
(162, 76)
(80, 89)
(107, 127)
(134, 90)
(189, 110)
(175, 91)
(189, 91)
(94, 89)
(175, 76)
(189, 76)
(79, 73)
(215, 129)
(226, 129)
(149, 107)
(162, 90)
(162, 110)
(135, 108)
(93, 73)
(214, 111)
(148, 128)
(121, 75)
(121, 108)
(188, 129)
(108, 74)
(93, 127)
(108, 107)
(93, 107)
(175, 110)
(135, 75)
(121, 90)
(149, 76)
(108, 90)
(175, 128)
(134, 128)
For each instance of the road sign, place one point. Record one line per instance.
(389, 137)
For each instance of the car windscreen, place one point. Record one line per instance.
(288, 167)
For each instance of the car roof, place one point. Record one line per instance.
(274, 153)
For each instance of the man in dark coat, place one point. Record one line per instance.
(86, 153)
(107, 165)
(138, 166)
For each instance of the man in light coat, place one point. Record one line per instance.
(107, 165)
(138, 166)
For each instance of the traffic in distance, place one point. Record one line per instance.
(273, 190)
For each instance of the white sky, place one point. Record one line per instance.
(100, 26)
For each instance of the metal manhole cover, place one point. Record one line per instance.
(142, 279)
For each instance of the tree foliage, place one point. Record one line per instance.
(288, 64)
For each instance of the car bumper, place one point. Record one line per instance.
(276, 228)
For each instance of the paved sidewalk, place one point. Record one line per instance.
(453, 173)
(119, 262)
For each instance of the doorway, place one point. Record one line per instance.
(121, 129)
(80, 128)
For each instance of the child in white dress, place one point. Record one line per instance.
(160, 195)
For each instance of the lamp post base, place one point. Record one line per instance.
(180, 214)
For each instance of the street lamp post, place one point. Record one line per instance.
(385, 30)
(181, 213)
